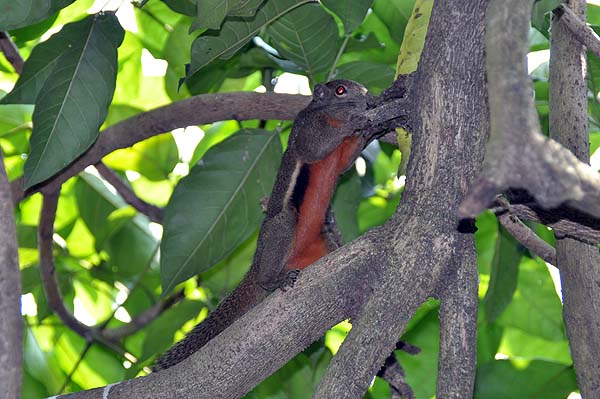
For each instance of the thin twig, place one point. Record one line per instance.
(582, 31)
(153, 212)
(11, 52)
(85, 350)
(394, 374)
(338, 55)
(527, 237)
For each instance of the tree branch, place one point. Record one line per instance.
(579, 29)
(518, 155)
(11, 52)
(153, 212)
(11, 326)
(198, 110)
(527, 237)
(54, 295)
(579, 263)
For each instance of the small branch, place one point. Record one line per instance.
(11, 52)
(153, 212)
(54, 296)
(527, 237)
(580, 30)
(338, 55)
(47, 269)
(393, 373)
(84, 352)
(563, 223)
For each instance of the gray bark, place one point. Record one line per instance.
(11, 326)
(579, 263)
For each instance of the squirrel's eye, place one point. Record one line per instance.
(340, 90)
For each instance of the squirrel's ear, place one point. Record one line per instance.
(321, 92)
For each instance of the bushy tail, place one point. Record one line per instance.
(244, 297)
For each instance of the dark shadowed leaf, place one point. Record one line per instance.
(217, 206)
(78, 91)
(373, 76)
(503, 277)
(235, 33)
(351, 12)
(19, 13)
(186, 7)
(308, 36)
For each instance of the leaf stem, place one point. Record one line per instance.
(339, 54)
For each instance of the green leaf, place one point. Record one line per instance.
(211, 13)
(18, 13)
(235, 33)
(77, 94)
(186, 7)
(345, 205)
(308, 36)
(503, 278)
(414, 37)
(154, 158)
(517, 380)
(518, 344)
(351, 12)
(373, 76)
(42, 61)
(535, 308)
(217, 206)
(245, 8)
(395, 15)
(539, 19)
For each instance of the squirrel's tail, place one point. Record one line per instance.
(245, 296)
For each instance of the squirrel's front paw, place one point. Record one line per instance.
(289, 280)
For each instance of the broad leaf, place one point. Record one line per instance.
(351, 12)
(235, 33)
(211, 13)
(345, 205)
(42, 61)
(308, 36)
(77, 94)
(515, 380)
(414, 37)
(18, 13)
(535, 308)
(503, 278)
(539, 17)
(186, 7)
(245, 8)
(373, 76)
(217, 206)
(395, 15)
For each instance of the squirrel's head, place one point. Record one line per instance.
(340, 92)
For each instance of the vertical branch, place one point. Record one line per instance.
(458, 329)
(579, 263)
(11, 327)
(11, 52)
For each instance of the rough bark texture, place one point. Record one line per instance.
(381, 278)
(11, 327)
(579, 263)
(518, 155)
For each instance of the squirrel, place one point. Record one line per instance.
(297, 230)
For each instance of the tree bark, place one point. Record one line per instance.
(11, 325)
(579, 263)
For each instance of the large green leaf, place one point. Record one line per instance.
(351, 12)
(308, 36)
(235, 33)
(540, 16)
(503, 278)
(535, 308)
(77, 94)
(217, 206)
(345, 205)
(538, 379)
(186, 7)
(211, 13)
(42, 61)
(395, 15)
(373, 76)
(19, 13)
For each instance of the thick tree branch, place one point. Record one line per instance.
(198, 110)
(153, 212)
(579, 29)
(579, 263)
(518, 155)
(11, 326)
(11, 52)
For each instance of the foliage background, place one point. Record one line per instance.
(109, 257)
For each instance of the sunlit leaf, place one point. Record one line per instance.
(351, 12)
(19, 13)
